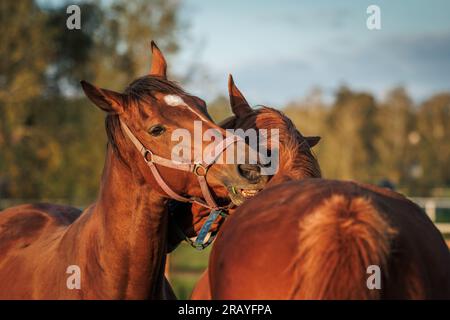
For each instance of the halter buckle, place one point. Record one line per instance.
(199, 170)
(148, 156)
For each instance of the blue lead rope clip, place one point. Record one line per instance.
(199, 243)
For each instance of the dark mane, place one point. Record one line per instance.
(112, 125)
(143, 87)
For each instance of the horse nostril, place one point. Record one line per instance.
(251, 172)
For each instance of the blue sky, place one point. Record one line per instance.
(279, 50)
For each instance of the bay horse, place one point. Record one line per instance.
(117, 245)
(280, 246)
(296, 160)
(327, 239)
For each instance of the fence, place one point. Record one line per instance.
(438, 209)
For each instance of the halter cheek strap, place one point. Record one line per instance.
(199, 169)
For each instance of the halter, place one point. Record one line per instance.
(204, 237)
(199, 169)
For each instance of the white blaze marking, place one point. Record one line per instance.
(174, 100)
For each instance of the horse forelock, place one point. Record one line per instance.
(144, 87)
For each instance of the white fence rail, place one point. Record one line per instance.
(431, 206)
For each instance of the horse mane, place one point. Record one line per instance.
(338, 241)
(297, 160)
(143, 87)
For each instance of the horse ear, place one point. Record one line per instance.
(312, 141)
(239, 105)
(159, 64)
(107, 100)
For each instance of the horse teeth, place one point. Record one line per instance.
(249, 193)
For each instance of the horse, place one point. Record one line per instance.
(296, 161)
(115, 248)
(328, 239)
(304, 240)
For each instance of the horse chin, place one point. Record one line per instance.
(238, 195)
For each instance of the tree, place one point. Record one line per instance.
(433, 126)
(309, 116)
(23, 60)
(349, 152)
(52, 140)
(397, 137)
(219, 108)
(122, 42)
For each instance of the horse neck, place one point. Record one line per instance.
(127, 238)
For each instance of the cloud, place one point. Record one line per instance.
(273, 82)
(419, 62)
(301, 17)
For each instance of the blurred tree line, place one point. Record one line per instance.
(52, 141)
(392, 141)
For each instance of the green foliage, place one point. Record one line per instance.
(23, 60)
(52, 140)
(434, 147)
(219, 109)
(186, 266)
(352, 120)
(370, 141)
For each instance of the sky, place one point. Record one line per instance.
(278, 51)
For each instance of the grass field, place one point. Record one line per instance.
(443, 215)
(186, 266)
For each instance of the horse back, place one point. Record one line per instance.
(21, 225)
(326, 234)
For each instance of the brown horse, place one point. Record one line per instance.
(277, 230)
(296, 158)
(296, 162)
(115, 249)
(325, 239)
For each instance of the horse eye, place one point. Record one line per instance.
(156, 130)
